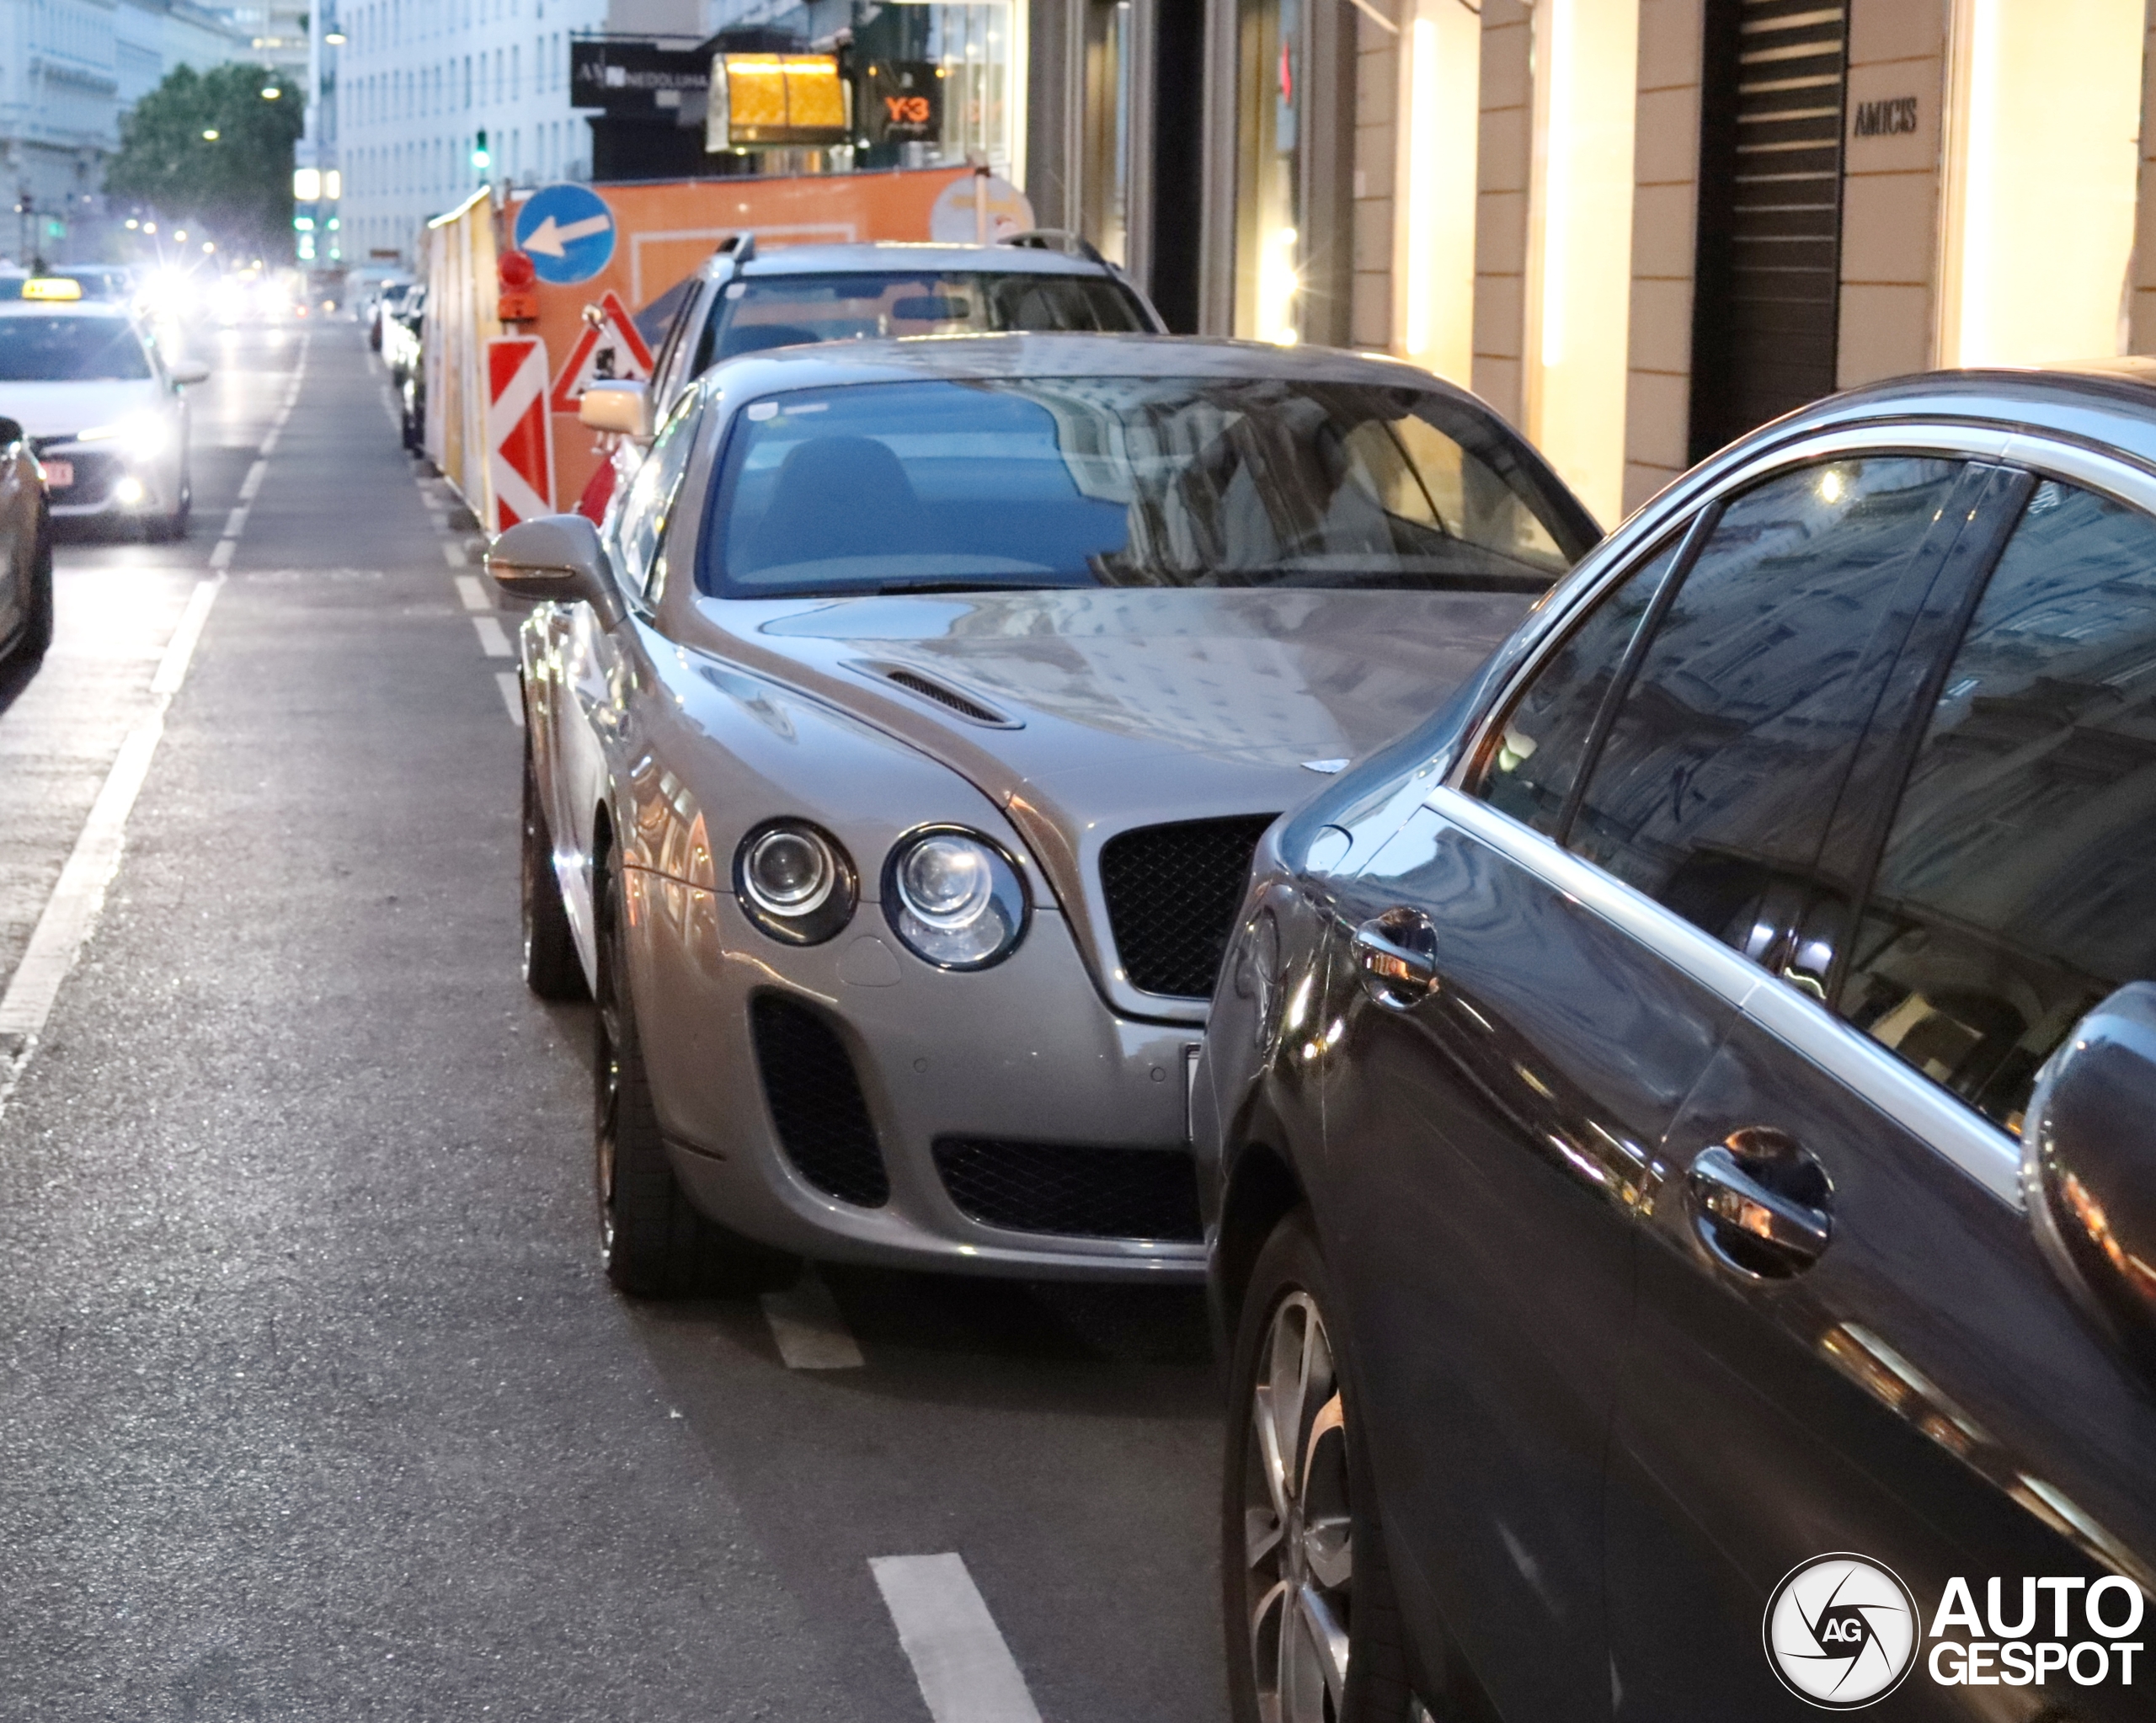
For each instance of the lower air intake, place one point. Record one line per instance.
(816, 1102)
(1078, 1191)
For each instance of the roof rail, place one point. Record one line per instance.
(740, 247)
(1060, 239)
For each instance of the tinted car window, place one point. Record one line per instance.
(1714, 789)
(71, 349)
(1129, 482)
(791, 310)
(2017, 888)
(1543, 742)
(641, 520)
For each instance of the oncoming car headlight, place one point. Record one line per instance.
(794, 881)
(954, 898)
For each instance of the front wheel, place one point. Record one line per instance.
(552, 968)
(654, 1242)
(1312, 1628)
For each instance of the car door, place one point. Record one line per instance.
(19, 511)
(1491, 1135)
(600, 666)
(1847, 1341)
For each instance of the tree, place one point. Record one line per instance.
(209, 148)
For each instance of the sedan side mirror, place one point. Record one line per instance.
(11, 433)
(557, 559)
(189, 370)
(2088, 1163)
(622, 406)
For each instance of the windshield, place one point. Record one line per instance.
(1129, 482)
(791, 311)
(70, 350)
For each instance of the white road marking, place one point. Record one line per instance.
(221, 553)
(967, 1673)
(512, 696)
(492, 641)
(269, 444)
(453, 554)
(71, 911)
(806, 1323)
(236, 521)
(252, 482)
(474, 595)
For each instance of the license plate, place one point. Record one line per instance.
(59, 475)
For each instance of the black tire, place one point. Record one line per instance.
(552, 968)
(37, 631)
(654, 1242)
(1310, 1557)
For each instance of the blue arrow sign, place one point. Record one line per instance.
(568, 232)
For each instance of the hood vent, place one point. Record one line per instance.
(943, 694)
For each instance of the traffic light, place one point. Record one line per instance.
(481, 160)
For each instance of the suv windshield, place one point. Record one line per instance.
(792, 311)
(70, 350)
(1129, 482)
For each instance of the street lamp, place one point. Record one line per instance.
(210, 134)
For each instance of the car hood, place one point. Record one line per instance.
(62, 409)
(1103, 709)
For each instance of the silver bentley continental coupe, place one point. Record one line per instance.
(896, 749)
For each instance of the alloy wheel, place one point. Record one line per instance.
(1298, 1529)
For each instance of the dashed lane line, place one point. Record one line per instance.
(492, 640)
(72, 909)
(512, 695)
(252, 482)
(235, 522)
(221, 553)
(474, 595)
(453, 554)
(966, 1671)
(810, 1332)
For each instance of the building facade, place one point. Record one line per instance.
(70, 72)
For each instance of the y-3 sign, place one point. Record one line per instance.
(608, 350)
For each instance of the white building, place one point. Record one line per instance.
(403, 99)
(70, 70)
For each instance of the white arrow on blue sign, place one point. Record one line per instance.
(568, 232)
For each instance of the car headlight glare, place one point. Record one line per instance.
(143, 436)
(794, 881)
(954, 898)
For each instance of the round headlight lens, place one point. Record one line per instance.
(789, 871)
(794, 881)
(954, 898)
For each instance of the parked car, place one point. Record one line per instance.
(105, 407)
(25, 551)
(742, 301)
(1690, 1109)
(895, 756)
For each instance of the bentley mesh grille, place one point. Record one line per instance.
(816, 1102)
(1172, 891)
(1074, 1190)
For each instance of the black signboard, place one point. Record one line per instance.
(901, 101)
(637, 79)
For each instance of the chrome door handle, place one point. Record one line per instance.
(1397, 953)
(1762, 1204)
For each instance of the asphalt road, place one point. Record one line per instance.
(313, 1403)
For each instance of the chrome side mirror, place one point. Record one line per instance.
(624, 407)
(557, 559)
(2088, 1163)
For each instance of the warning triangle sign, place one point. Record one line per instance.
(608, 350)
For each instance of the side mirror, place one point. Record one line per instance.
(2088, 1163)
(189, 370)
(11, 433)
(623, 406)
(557, 559)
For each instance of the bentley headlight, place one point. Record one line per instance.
(954, 898)
(794, 881)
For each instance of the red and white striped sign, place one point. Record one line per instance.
(520, 432)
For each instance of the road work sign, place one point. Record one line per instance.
(607, 349)
(568, 232)
(520, 432)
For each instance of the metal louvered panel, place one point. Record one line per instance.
(1768, 290)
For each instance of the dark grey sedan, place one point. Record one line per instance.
(1684, 1119)
(897, 750)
